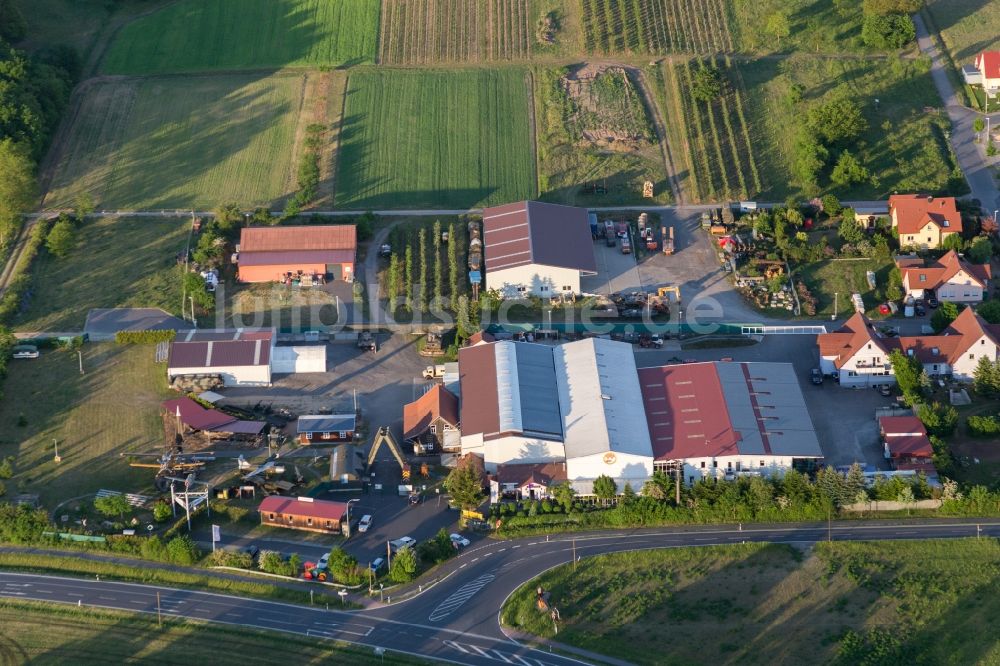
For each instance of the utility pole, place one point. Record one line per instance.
(574, 554)
(829, 523)
(677, 483)
(159, 617)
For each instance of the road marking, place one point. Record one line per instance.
(517, 546)
(481, 651)
(453, 644)
(501, 550)
(464, 565)
(463, 594)
(108, 598)
(476, 559)
(44, 591)
(500, 654)
(521, 659)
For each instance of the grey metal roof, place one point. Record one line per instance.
(326, 423)
(537, 390)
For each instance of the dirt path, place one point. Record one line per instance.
(656, 113)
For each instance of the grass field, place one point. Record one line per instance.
(117, 263)
(717, 148)
(180, 143)
(905, 602)
(967, 27)
(429, 31)
(114, 407)
(826, 278)
(49, 634)
(200, 35)
(595, 130)
(435, 139)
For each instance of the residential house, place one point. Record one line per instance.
(537, 249)
(868, 216)
(988, 65)
(526, 482)
(431, 422)
(326, 428)
(949, 278)
(905, 443)
(277, 254)
(924, 221)
(859, 355)
(303, 513)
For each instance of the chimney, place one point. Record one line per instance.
(930, 199)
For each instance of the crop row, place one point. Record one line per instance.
(656, 26)
(428, 31)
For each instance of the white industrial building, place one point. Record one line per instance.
(587, 405)
(537, 249)
(240, 357)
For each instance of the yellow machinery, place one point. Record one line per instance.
(384, 436)
(666, 291)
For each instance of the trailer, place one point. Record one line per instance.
(668, 241)
(626, 245)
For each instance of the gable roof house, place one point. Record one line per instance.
(950, 278)
(859, 355)
(431, 421)
(904, 441)
(269, 254)
(537, 249)
(988, 65)
(924, 221)
(324, 428)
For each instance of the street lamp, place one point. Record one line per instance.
(347, 513)
(381, 597)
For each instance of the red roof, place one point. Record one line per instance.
(912, 212)
(849, 339)
(219, 354)
(437, 403)
(305, 507)
(905, 437)
(477, 369)
(196, 416)
(480, 337)
(939, 272)
(541, 474)
(297, 238)
(686, 412)
(988, 63)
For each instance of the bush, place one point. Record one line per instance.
(7, 467)
(144, 337)
(182, 550)
(889, 31)
(983, 426)
(153, 548)
(162, 512)
(228, 558)
(404, 566)
(940, 420)
(62, 237)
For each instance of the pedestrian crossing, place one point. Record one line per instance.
(463, 594)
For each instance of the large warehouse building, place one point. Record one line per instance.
(271, 254)
(587, 405)
(537, 249)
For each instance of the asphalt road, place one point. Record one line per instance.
(457, 620)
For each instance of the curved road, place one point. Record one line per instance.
(457, 620)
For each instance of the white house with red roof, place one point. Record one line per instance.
(988, 66)
(949, 278)
(859, 355)
(924, 221)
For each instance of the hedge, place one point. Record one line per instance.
(10, 304)
(983, 426)
(144, 337)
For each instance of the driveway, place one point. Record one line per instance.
(616, 272)
(971, 155)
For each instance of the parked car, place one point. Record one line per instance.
(459, 541)
(933, 302)
(921, 310)
(25, 351)
(816, 376)
(323, 562)
(365, 523)
(885, 389)
(402, 542)
(376, 564)
(414, 500)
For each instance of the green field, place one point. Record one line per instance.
(126, 262)
(747, 136)
(827, 278)
(181, 143)
(967, 27)
(51, 634)
(435, 139)
(903, 602)
(199, 35)
(112, 408)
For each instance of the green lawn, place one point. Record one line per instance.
(903, 602)
(126, 262)
(182, 142)
(199, 35)
(454, 139)
(967, 27)
(49, 634)
(905, 145)
(843, 278)
(114, 407)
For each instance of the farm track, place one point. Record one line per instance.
(653, 108)
(15, 256)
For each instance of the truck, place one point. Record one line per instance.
(434, 371)
(650, 239)
(626, 245)
(366, 341)
(668, 241)
(610, 239)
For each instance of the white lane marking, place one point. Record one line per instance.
(456, 646)
(463, 594)
(481, 651)
(521, 659)
(500, 654)
(517, 546)
(501, 550)
(109, 598)
(464, 565)
(44, 591)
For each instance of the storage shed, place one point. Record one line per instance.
(270, 254)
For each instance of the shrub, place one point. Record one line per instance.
(7, 467)
(182, 550)
(113, 505)
(940, 420)
(404, 566)
(144, 337)
(153, 548)
(889, 31)
(983, 426)
(228, 558)
(162, 512)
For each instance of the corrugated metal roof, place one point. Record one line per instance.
(600, 399)
(326, 423)
(290, 257)
(298, 238)
(537, 390)
(303, 506)
(219, 354)
(531, 232)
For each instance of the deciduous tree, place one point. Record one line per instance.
(62, 237)
(778, 26)
(943, 316)
(465, 485)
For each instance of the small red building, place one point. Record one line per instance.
(326, 428)
(905, 440)
(272, 254)
(303, 513)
